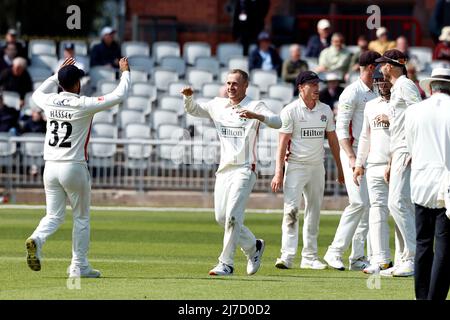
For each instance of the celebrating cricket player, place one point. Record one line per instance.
(66, 175)
(237, 120)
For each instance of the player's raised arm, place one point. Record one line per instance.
(96, 104)
(191, 106)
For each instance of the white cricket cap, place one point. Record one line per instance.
(323, 24)
(381, 31)
(106, 30)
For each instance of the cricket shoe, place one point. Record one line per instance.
(221, 269)
(334, 261)
(359, 265)
(254, 262)
(33, 254)
(389, 272)
(405, 269)
(83, 272)
(315, 264)
(281, 264)
(377, 268)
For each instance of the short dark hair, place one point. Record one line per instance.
(243, 74)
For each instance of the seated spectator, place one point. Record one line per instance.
(69, 52)
(17, 79)
(442, 50)
(11, 37)
(35, 123)
(411, 73)
(9, 118)
(319, 41)
(336, 57)
(106, 53)
(265, 57)
(330, 94)
(293, 65)
(363, 46)
(401, 44)
(382, 43)
(9, 53)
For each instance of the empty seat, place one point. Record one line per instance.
(263, 78)
(44, 61)
(253, 92)
(421, 56)
(211, 89)
(39, 73)
(170, 131)
(238, 62)
(98, 73)
(11, 99)
(7, 149)
(282, 91)
(135, 48)
(140, 103)
(137, 130)
(144, 89)
(227, 50)
(160, 117)
(176, 64)
(170, 152)
(127, 116)
(106, 86)
(41, 46)
(193, 50)
(162, 77)
(161, 49)
(138, 75)
(104, 116)
(172, 103)
(223, 74)
(33, 151)
(144, 63)
(176, 87)
(274, 104)
(81, 47)
(104, 129)
(197, 78)
(208, 63)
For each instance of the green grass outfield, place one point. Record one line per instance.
(167, 255)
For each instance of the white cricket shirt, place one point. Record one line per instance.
(350, 116)
(237, 135)
(308, 127)
(374, 139)
(404, 93)
(69, 118)
(427, 132)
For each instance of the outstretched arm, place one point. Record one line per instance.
(191, 106)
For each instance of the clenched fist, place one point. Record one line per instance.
(187, 91)
(123, 64)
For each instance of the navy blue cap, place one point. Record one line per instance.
(69, 46)
(69, 75)
(306, 76)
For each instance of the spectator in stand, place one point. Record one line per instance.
(265, 57)
(293, 66)
(106, 53)
(336, 57)
(363, 46)
(319, 41)
(11, 37)
(35, 123)
(330, 94)
(442, 50)
(9, 53)
(69, 52)
(411, 73)
(402, 45)
(17, 79)
(9, 118)
(382, 44)
(440, 18)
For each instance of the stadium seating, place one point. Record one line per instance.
(176, 64)
(41, 46)
(193, 50)
(208, 63)
(81, 47)
(238, 62)
(159, 117)
(104, 130)
(263, 78)
(198, 77)
(422, 56)
(253, 92)
(98, 73)
(144, 63)
(282, 91)
(138, 75)
(144, 89)
(140, 103)
(226, 50)
(106, 86)
(44, 61)
(126, 116)
(39, 73)
(274, 104)
(162, 77)
(104, 116)
(211, 89)
(176, 87)
(284, 51)
(11, 99)
(135, 48)
(7, 149)
(161, 49)
(171, 103)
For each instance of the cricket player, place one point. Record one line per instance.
(237, 120)
(372, 159)
(404, 93)
(305, 123)
(66, 175)
(354, 223)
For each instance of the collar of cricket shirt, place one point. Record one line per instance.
(241, 104)
(303, 105)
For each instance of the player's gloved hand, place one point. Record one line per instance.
(187, 91)
(357, 173)
(123, 64)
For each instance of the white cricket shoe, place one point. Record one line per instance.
(334, 261)
(254, 262)
(281, 264)
(359, 265)
(221, 269)
(405, 269)
(33, 254)
(315, 264)
(377, 268)
(388, 272)
(83, 272)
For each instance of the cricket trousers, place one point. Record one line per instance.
(400, 204)
(354, 224)
(309, 180)
(62, 181)
(232, 190)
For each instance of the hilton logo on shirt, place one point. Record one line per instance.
(312, 133)
(379, 125)
(232, 132)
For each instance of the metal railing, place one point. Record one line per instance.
(143, 165)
